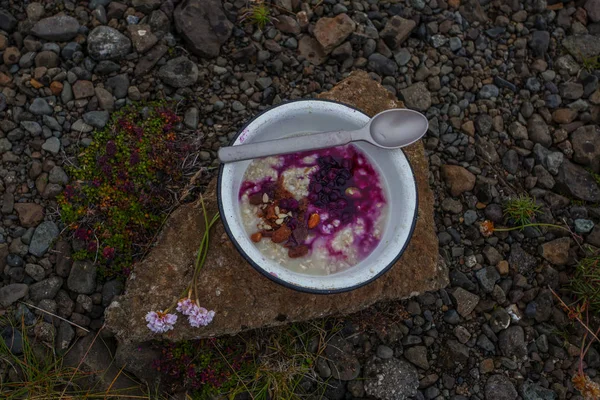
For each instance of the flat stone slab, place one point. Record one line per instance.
(244, 299)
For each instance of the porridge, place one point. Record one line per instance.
(316, 212)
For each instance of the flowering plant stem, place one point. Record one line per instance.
(188, 304)
(514, 228)
(203, 250)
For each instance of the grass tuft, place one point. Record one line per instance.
(591, 63)
(38, 373)
(585, 283)
(258, 13)
(274, 363)
(521, 210)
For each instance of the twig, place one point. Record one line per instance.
(54, 315)
(81, 362)
(587, 328)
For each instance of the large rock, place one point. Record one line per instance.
(520, 260)
(311, 49)
(58, 28)
(179, 72)
(142, 37)
(241, 296)
(396, 31)
(417, 96)
(82, 278)
(30, 214)
(512, 342)
(499, 387)
(458, 179)
(391, 379)
(331, 32)
(556, 251)
(586, 146)
(471, 10)
(11, 293)
(465, 301)
(582, 47)
(149, 60)
(203, 25)
(534, 391)
(593, 10)
(538, 130)
(343, 363)
(106, 43)
(43, 236)
(575, 181)
(7, 21)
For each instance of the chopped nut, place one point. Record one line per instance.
(282, 215)
(313, 220)
(281, 235)
(256, 237)
(271, 213)
(279, 221)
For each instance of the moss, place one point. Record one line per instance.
(119, 194)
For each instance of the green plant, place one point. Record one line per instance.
(286, 361)
(258, 13)
(580, 312)
(591, 63)
(266, 364)
(585, 283)
(521, 210)
(120, 192)
(37, 372)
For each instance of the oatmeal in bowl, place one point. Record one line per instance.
(316, 212)
(320, 221)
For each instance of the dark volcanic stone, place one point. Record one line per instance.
(575, 181)
(203, 25)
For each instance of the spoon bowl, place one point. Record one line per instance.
(390, 129)
(397, 128)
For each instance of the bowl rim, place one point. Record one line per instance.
(277, 279)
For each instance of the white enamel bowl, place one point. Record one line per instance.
(300, 117)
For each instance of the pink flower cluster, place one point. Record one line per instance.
(197, 316)
(160, 322)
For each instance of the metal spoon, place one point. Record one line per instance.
(389, 129)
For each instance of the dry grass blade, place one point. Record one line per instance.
(57, 316)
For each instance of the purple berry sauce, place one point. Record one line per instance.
(344, 190)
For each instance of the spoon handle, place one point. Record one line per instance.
(284, 146)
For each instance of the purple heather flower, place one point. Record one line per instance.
(107, 169)
(111, 148)
(134, 158)
(197, 316)
(160, 322)
(92, 247)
